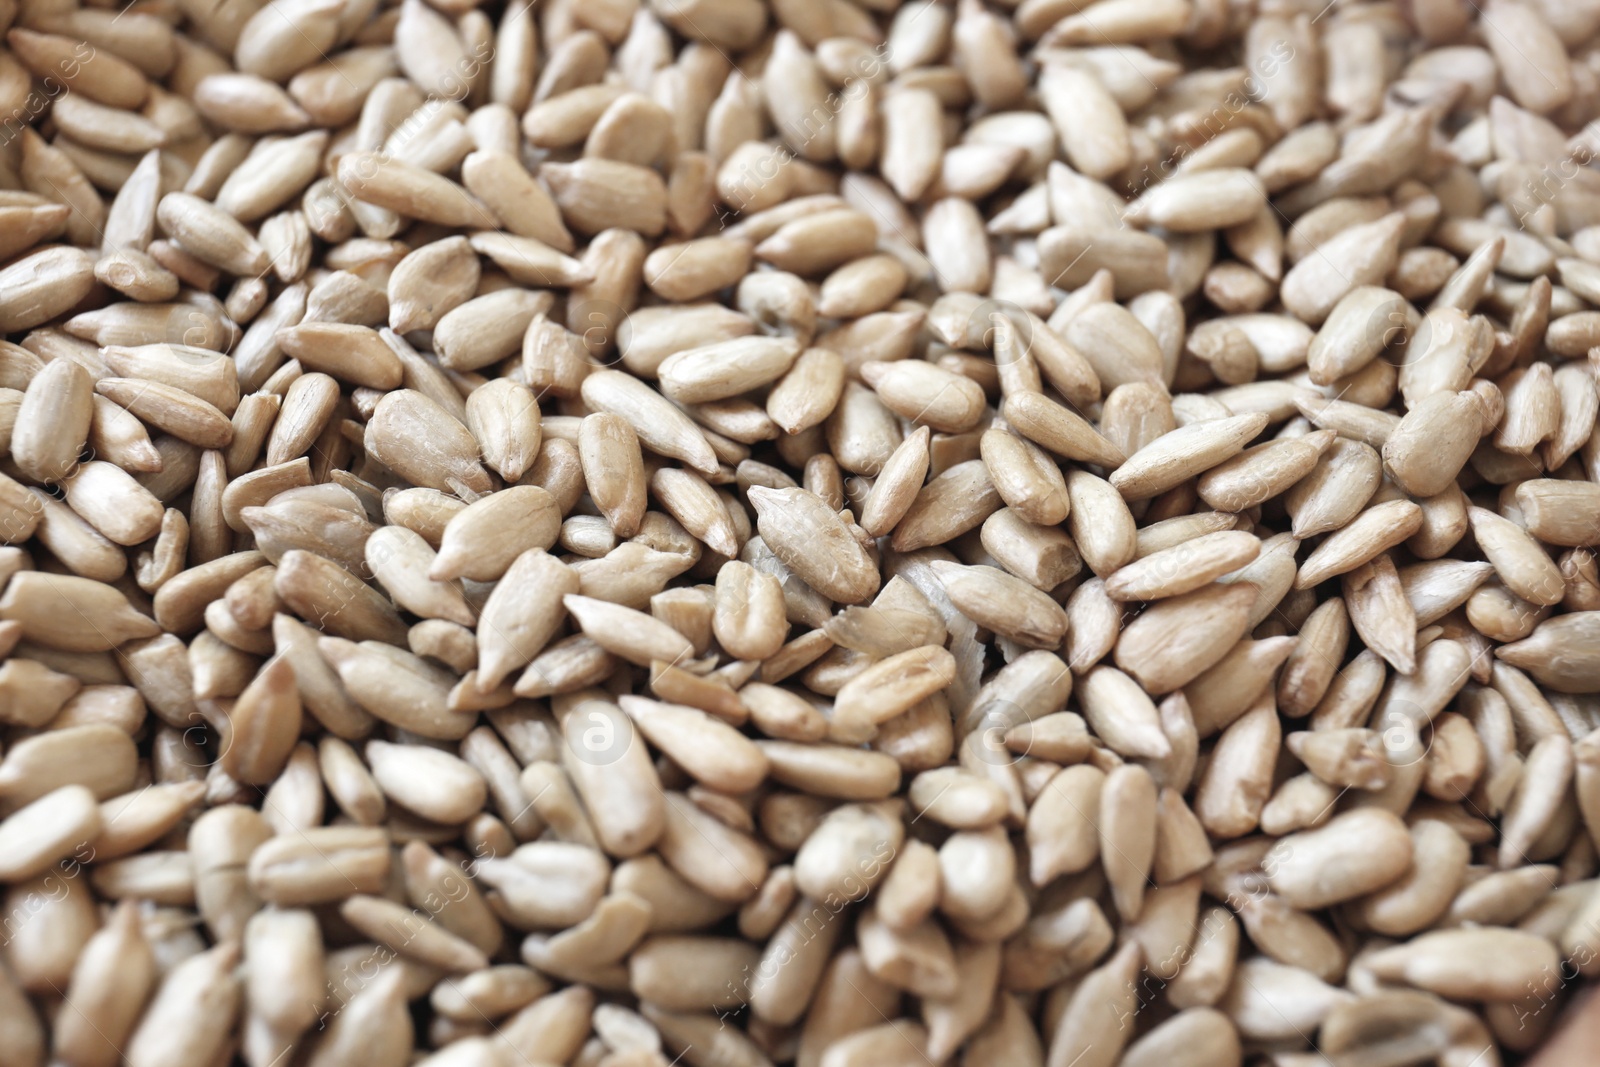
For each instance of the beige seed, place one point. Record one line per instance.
(521, 615)
(1183, 453)
(817, 243)
(1058, 429)
(1183, 568)
(910, 158)
(72, 614)
(1261, 472)
(1558, 512)
(812, 541)
(696, 269)
(1043, 556)
(1122, 715)
(926, 394)
(1336, 490)
(749, 619)
(1488, 963)
(189, 1019)
(1431, 444)
(711, 751)
(1361, 255)
(486, 328)
(1127, 827)
(726, 369)
(1100, 523)
(482, 540)
(1084, 1025)
(1374, 531)
(168, 408)
(1029, 482)
(210, 234)
(659, 425)
(1352, 855)
(633, 635)
(1537, 69)
(1176, 639)
(1238, 778)
(411, 191)
(50, 828)
(888, 688)
(1518, 559)
(954, 502)
(1200, 200)
(53, 422)
(1116, 345)
(896, 487)
(1005, 604)
(263, 725)
(115, 504)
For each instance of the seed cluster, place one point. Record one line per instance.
(854, 533)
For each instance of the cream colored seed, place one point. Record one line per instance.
(1058, 430)
(1184, 567)
(1519, 560)
(924, 393)
(888, 688)
(813, 542)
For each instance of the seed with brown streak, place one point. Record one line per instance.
(814, 542)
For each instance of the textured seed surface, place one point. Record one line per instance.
(852, 533)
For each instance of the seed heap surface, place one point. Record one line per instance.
(853, 533)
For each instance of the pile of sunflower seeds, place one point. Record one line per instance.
(853, 533)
